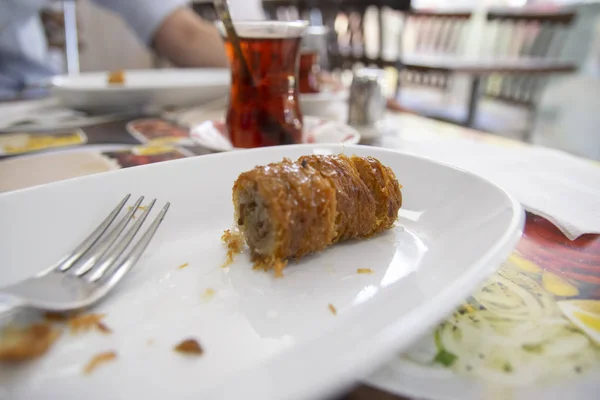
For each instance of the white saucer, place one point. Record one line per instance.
(317, 103)
(213, 134)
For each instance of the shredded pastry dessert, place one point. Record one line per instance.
(293, 208)
(27, 343)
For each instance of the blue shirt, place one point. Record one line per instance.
(24, 56)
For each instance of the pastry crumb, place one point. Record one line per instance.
(99, 359)
(208, 294)
(139, 208)
(22, 344)
(51, 316)
(365, 271)
(332, 309)
(79, 322)
(103, 328)
(182, 266)
(85, 322)
(189, 346)
(275, 264)
(149, 342)
(234, 242)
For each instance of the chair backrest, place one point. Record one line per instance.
(432, 32)
(522, 33)
(346, 20)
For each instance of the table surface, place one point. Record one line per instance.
(479, 66)
(559, 268)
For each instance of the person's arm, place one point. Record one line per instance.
(16, 11)
(173, 30)
(186, 40)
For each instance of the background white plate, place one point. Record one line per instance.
(159, 87)
(264, 338)
(326, 103)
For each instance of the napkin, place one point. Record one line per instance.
(43, 112)
(553, 184)
(48, 114)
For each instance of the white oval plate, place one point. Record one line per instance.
(213, 135)
(325, 96)
(322, 102)
(158, 87)
(263, 337)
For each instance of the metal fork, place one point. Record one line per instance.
(91, 270)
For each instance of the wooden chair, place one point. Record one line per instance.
(346, 22)
(418, 31)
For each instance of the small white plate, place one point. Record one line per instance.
(263, 337)
(321, 103)
(214, 136)
(142, 88)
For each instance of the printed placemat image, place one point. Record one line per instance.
(40, 168)
(531, 329)
(25, 142)
(143, 155)
(158, 131)
(36, 169)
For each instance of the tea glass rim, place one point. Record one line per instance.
(264, 29)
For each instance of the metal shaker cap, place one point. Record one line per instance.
(315, 38)
(315, 41)
(366, 103)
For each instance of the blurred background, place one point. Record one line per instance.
(552, 107)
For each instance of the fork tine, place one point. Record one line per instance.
(104, 243)
(116, 273)
(84, 246)
(110, 257)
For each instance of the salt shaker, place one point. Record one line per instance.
(366, 103)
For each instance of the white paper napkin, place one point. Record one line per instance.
(44, 112)
(558, 186)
